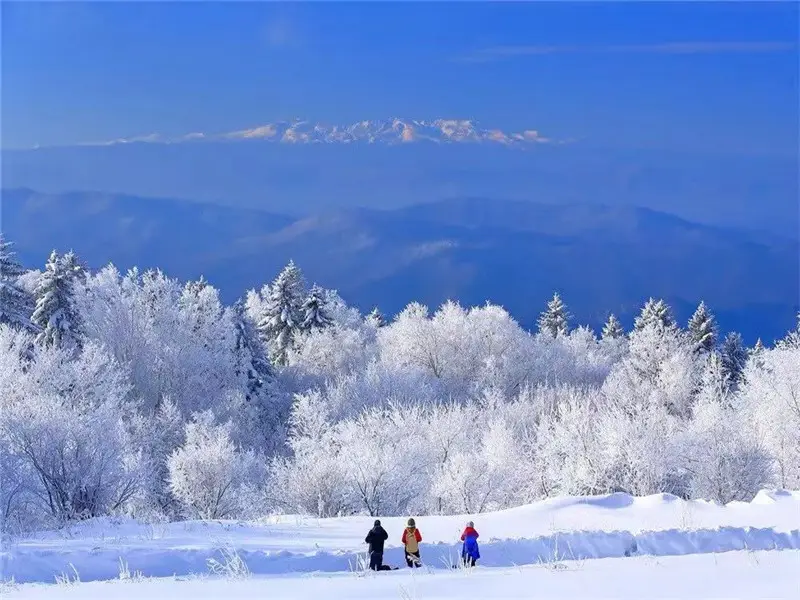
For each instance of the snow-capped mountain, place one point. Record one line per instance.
(389, 131)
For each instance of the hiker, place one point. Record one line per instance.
(411, 539)
(469, 551)
(375, 538)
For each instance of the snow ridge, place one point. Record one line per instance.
(387, 131)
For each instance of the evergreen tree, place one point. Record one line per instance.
(733, 356)
(55, 315)
(314, 311)
(16, 305)
(554, 321)
(613, 329)
(703, 329)
(655, 312)
(252, 360)
(283, 315)
(376, 318)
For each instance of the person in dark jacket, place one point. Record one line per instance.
(375, 538)
(469, 551)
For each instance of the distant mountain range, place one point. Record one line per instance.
(601, 258)
(388, 131)
(757, 192)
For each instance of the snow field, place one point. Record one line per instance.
(567, 528)
(740, 574)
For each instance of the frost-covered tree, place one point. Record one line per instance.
(659, 370)
(792, 339)
(282, 313)
(315, 311)
(771, 394)
(376, 318)
(178, 342)
(55, 315)
(756, 353)
(208, 474)
(251, 358)
(554, 321)
(484, 475)
(724, 457)
(734, 358)
(62, 418)
(333, 352)
(16, 305)
(382, 468)
(655, 312)
(702, 329)
(314, 479)
(613, 329)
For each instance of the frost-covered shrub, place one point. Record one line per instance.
(771, 395)
(313, 479)
(209, 475)
(66, 445)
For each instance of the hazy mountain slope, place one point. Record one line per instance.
(299, 179)
(516, 254)
(174, 235)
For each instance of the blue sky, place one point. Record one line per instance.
(685, 76)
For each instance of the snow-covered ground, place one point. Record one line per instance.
(641, 539)
(740, 574)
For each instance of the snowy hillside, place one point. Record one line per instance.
(560, 529)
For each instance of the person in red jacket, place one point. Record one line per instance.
(411, 539)
(469, 551)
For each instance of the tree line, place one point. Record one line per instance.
(135, 394)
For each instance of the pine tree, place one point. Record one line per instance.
(16, 304)
(283, 314)
(703, 329)
(655, 312)
(734, 358)
(613, 329)
(252, 360)
(376, 318)
(55, 315)
(314, 311)
(555, 320)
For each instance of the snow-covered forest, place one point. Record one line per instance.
(136, 394)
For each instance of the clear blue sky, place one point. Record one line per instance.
(687, 75)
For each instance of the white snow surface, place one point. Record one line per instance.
(739, 574)
(565, 528)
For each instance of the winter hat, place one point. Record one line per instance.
(412, 523)
(377, 523)
(470, 524)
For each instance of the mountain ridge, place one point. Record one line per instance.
(602, 259)
(390, 131)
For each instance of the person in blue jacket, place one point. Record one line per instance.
(469, 551)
